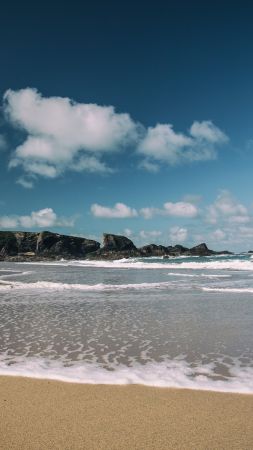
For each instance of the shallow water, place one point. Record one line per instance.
(186, 322)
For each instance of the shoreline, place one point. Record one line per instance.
(43, 414)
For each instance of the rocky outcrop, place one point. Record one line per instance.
(201, 250)
(198, 250)
(115, 247)
(153, 250)
(177, 250)
(46, 245)
(113, 242)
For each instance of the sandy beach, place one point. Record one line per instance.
(42, 414)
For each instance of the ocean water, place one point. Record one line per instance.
(182, 322)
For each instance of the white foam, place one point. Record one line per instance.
(173, 373)
(225, 264)
(194, 275)
(46, 285)
(239, 290)
(14, 274)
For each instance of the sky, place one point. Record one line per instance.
(133, 118)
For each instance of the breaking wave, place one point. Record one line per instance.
(177, 263)
(173, 373)
(46, 285)
(238, 290)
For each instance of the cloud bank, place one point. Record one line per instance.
(65, 135)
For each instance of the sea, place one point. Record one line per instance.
(183, 322)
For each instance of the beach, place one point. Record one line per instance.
(42, 414)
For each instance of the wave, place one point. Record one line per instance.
(173, 373)
(13, 273)
(238, 290)
(46, 285)
(225, 264)
(194, 275)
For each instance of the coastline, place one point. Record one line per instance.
(44, 414)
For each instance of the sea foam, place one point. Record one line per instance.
(174, 373)
(225, 264)
(46, 285)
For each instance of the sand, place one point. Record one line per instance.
(41, 414)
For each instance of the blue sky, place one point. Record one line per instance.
(131, 119)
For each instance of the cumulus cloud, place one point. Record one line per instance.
(177, 209)
(208, 132)
(37, 219)
(118, 211)
(66, 135)
(226, 208)
(178, 234)
(162, 144)
(63, 134)
(180, 209)
(149, 234)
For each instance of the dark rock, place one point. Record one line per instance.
(177, 250)
(30, 246)
(8, 244)
(201, 250)
(26, 245)
(115, 247)
(153, 250)
(113, 242)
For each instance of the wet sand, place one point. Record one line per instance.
(42, 414)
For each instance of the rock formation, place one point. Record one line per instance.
(115, 247)
(153, 250)
(23, 246)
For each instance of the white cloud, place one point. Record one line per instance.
(180, 209)
(218, 235)
(37, 219)
(207, 131)
(177, 209)
(149, 166)
(162, 144)
(90, 164)
(24, 182)
(149, 234)
(149, 212)
(63, 134)
(178, 234)
(227, 208)
(118, 211)
(8, 222)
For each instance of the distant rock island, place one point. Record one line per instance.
(45, 245)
